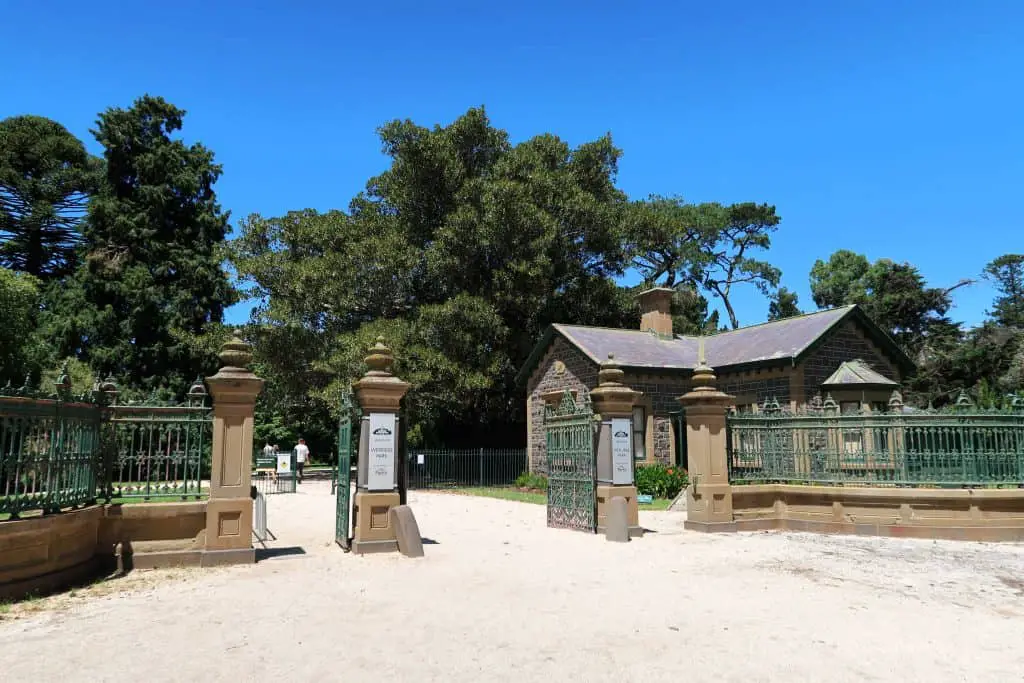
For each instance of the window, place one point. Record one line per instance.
(853, 436)
(639, 423)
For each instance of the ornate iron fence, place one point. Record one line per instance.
(59, 451)
(160, 450)
(962, 446)
(460, 468)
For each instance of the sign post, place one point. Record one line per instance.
(380, 395)
(614, 401)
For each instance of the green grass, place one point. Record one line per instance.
(539, 498)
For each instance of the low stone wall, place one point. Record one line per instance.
(48, 553)
(956, 514)
(45, 553)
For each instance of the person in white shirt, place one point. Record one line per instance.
(301, 455)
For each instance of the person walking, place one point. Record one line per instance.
(301, 455)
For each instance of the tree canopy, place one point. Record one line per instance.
(46, 177)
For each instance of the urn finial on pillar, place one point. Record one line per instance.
(709, 496)
(235, 354)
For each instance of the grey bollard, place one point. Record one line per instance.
(407, 531)
(617, 522)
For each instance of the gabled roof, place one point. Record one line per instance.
(778, 342)
(857, 373)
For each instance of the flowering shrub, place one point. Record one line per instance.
(660, 481)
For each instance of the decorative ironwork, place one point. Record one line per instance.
(160, 451)
(959, 446)
(572, 468)
(343, 476)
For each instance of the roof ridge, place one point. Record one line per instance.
(680, 337)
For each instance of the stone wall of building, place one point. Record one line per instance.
(563, 367)
(756, 387)
(845, 343)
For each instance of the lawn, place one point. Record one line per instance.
(539, 498)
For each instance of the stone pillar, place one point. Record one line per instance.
(380, 394)
(614, 401)
(709, 496)
(229, 510)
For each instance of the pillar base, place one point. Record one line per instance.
(711, 527)
(374, 530)
(605, 493)
(221, 558)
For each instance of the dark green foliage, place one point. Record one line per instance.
(1007, 274)
(46, 178)
(19, 343)
(151, 277)
(709, 246)
(532, 481)
(660, 481)
(459, 255)
(783, 304)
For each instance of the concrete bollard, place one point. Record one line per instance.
(407, 531)
(617, 525)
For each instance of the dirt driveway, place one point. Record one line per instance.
(500, 597)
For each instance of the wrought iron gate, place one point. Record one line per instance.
(343, 477)
(572, 470)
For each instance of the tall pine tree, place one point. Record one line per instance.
(152, 276)
(46, 177)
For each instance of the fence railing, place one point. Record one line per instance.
(47, 454)
(160, 451)
(457, 468)
(58, 451)
(961, 447)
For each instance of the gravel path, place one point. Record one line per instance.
(500, 597)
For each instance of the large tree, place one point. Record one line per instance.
(459, 254)
(1007, 274)
(707, 246)
(783, 304)
(152, 276)
(46, 177)
(19, 344)
(894, 295)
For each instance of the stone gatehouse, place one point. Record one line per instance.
(838, 351)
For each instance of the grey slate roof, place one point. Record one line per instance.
(779, 340)
(857, 373)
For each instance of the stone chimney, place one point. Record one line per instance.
(656, 311)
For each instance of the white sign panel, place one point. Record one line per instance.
(622, 469)
(421, 458)
(381, 465)
(284, 464)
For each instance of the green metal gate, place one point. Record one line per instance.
(572, 468)
(343, 477)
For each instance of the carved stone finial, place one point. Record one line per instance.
(610, 372)
(896, 401)
(380, 359)
(235, 354)
(64, 379)
(703, 376)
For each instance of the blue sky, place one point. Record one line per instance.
(889, 128)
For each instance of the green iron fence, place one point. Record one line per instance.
(962, 446)
(59, 451)
(457, 468)
(160, 451)
(47, 454)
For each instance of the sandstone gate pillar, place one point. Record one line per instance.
(613, 401)
(709, 495)
(229, 510)
(380, 395)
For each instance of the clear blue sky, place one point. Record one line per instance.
(890, 128)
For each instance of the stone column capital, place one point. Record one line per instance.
(612, 398)
(235, 383)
